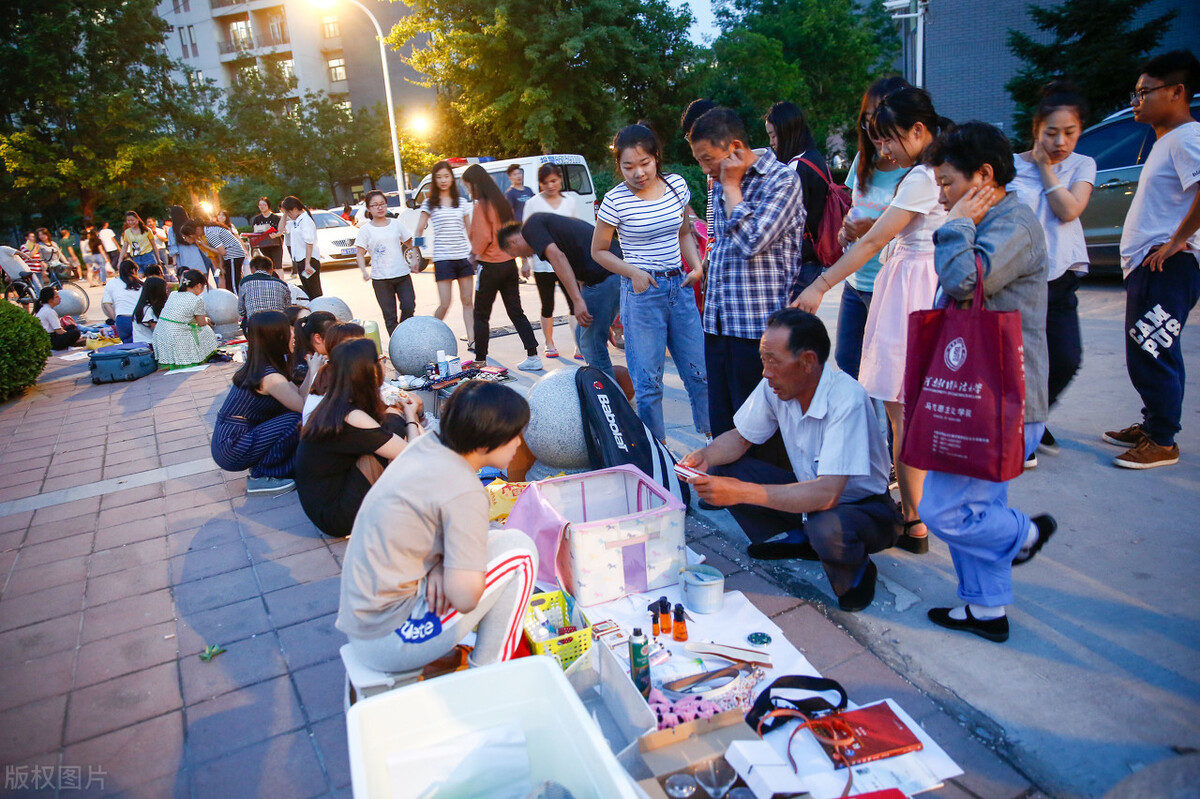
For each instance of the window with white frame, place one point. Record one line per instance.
(330, 27)
(337, 68)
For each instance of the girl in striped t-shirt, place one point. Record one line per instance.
(451, 249)
(658, 307)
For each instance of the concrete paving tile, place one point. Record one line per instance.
(238, 719)
(823, 643)
(766, 596)
(49, 603)
(127, 556)
(10, 542)
(122, 702)
(130, 496)
(338, 548)
(43, 638)
(331, 740)
(68, 510)
(190, 517)
(286, 766)
(125, 653)
(133, 756)
(192, 441)
(191, 482)
(265, 543)
(246, 662)
(125, 513)
(185, 455)
(224, 625)
(142, 579)
(322, 690)
(311, 642)
(303, 602)
(215, 532)
(303, 567)
(25, 473)
(23, 681)
(115, 535)
(57, 531)
(66, 466)
(130, 467)
(131, 613)
(866, 678)
(283, 766)
(23, 491)
(16, 521)
(32, 729)
(26, 579)
(985, 774)
(130, 455)
(215, 591)
(171, 786)
(197, 564)
(73, 480)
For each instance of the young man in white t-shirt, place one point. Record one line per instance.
(386, 240)
(1159, 248)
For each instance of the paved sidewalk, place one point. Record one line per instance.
(124, 551)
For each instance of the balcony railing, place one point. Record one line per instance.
(215, 4)
(244, 43)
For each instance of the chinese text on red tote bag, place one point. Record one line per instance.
(964, 391)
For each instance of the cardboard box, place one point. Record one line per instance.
(666, 752)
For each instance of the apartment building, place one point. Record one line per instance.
(328, 47)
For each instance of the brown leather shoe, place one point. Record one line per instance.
(1129, 437)
(1148, 455)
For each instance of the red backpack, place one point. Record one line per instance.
(837, 204)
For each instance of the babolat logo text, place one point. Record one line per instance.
(1155, 331)
(611, 418)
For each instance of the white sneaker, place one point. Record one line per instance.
(531, 364)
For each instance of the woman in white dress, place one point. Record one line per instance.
(551, 200)
(183, 335)
(904, 125)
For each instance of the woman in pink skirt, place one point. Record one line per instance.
(903, 126)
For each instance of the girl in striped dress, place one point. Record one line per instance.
(258, 425)
(183, 335)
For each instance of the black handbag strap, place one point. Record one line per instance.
(814, 705)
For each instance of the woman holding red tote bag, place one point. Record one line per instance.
(988, 227)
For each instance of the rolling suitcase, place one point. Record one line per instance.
(121, 362)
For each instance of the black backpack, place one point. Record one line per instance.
(616, 436)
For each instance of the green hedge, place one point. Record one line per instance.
(24, 348)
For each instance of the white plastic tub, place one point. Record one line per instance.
(563, 742)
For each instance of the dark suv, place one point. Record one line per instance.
(1120, 147)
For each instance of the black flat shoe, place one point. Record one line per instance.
(862, 595)
(916, 544)
(1046, 527)
(991, 629)
(782, 550)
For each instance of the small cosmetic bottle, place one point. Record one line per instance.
(680, 633)
(664, 616)
(654, 629)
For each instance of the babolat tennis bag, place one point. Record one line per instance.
(122, 362)
(616, 436)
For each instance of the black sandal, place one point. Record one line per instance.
(916, 544)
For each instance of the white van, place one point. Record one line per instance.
(577, 185)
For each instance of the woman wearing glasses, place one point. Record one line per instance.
(386, 240)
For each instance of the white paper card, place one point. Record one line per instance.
(491, 762)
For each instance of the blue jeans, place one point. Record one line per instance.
(984, 534)
(664, 316)
(603, 301)
(144, 261)
(852, 321)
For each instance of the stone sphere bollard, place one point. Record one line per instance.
(555, 430)
(334, 305)
(70, 305)
(222, 306)
(416, 341)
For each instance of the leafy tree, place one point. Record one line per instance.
(819, 54)
(528, 75)
(1093, 44)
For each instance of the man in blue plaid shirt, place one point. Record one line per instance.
(758, 227)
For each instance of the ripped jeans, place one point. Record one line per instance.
(662, 317)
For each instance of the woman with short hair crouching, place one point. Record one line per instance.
(422, 568)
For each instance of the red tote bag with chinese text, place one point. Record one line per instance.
(964, 391)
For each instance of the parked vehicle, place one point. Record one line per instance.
(1120, 146)
(335, 238)
(577, 185)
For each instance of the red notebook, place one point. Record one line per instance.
(878, 733)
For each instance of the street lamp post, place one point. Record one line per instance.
(401, 181)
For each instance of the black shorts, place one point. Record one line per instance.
(452, 270)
